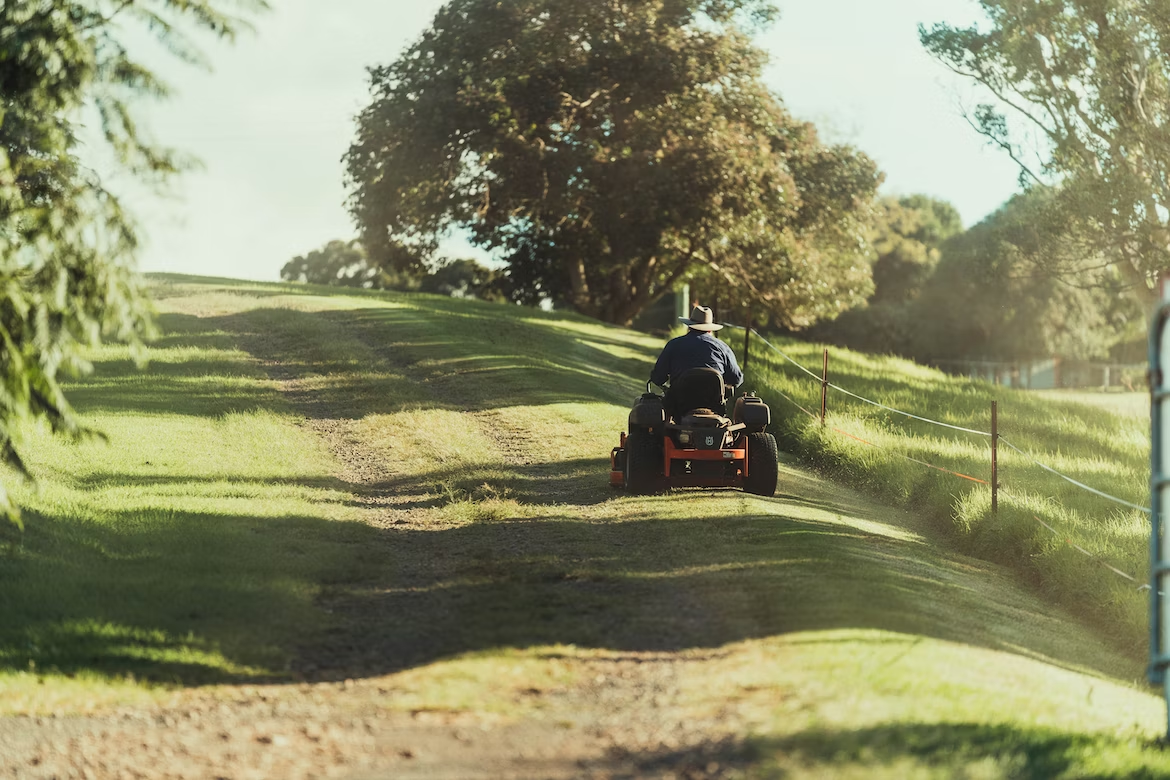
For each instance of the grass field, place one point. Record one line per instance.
(1122, 403)
(1099, 439)
(309, 485)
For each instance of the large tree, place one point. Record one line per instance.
(65, 242)
(1088, 81)
(989, 300)
(608, 150)
(907, 235)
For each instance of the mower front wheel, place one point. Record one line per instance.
(763, 464)
(643, 463)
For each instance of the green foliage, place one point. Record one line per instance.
(1024, 284)
(339, 263)
(65, 243)
(465, 279)
(908, 233)
(610, 151)
(991, 298)
(1090, 81)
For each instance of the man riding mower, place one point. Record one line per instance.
(684, 438)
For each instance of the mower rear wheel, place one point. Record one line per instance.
(763, 464)
(643, 463)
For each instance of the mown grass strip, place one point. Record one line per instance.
(187, 548)
(195, 544)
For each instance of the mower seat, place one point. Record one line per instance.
(698, 388)
(704, 418)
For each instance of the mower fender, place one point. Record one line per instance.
(617, 465)
(647, 413)
(752, 412)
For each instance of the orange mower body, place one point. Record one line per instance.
(669, 445)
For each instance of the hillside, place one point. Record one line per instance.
(366, 535)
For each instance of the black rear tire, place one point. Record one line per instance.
(763, 464)
(643, 463)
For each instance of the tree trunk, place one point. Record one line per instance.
(579, 285)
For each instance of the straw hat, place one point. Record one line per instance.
(701, 319)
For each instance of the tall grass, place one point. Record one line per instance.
(1088, 441)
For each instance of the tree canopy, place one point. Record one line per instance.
(340, 263)
(65, 242)
(1018, 286)
(1090, 81)
(988, 299)
(608, 151)
(908, 234)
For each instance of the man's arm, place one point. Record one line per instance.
(732, 376)
(661, 372)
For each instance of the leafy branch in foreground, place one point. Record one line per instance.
(66, 245)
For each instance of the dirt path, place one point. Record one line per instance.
(337, 726)
(605, 729)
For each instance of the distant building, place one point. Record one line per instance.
(1051, 373)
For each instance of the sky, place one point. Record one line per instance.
(271, 122)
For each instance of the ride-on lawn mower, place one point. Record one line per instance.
(684, 439)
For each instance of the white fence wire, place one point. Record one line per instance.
(1083, 486)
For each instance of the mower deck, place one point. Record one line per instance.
(689, 466)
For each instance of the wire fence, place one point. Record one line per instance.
(1081, 485)
(994, 436)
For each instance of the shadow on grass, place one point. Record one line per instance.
(198, 598)
(658, 584)
(917, 749)
(370, 361)
(187, 598)
(583, 481)
(197, 385)
(99, 480)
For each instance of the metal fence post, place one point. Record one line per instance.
(747, 335)
(825, 386)
(1159, 357)
(994, 457)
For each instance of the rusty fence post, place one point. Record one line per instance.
(994, 457)
(825, 386)
(747, 336)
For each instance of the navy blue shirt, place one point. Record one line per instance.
(696, 349)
